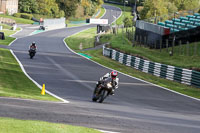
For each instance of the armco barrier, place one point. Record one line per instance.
(184, 76)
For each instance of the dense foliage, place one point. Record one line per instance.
(163, 7)
(59, 8)
(152, 8)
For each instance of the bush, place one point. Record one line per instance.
(26, 16)
(18, 15)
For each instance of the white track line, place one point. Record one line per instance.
(120, 83)
(104, 131)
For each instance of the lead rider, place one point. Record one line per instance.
(115, 80)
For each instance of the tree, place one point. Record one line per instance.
(153, 8)
(128, 22)
(28, 6)
(48, 7)
(68, 6)
(185, 4)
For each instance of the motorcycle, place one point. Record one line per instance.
(102, 91)
(32, 52)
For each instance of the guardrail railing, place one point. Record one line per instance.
(184, 76)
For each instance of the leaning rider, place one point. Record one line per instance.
(115, 80)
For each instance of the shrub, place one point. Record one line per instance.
(18, 15)
(26, 16)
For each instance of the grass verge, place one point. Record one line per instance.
(18, 20)
(13, 82)
(98, 57)
(102, 11)
(180, 58)
(7, 34)
(9, 125)
(86, 39)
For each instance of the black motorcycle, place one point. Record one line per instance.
(32, 52)
(103, 90)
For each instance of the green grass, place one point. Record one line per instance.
(102, 11)
(5, 26)
(85, 38)
(118, 40)
(180, 59)
(13, 82)
(9, 125)
(18, 20)
(8, 39)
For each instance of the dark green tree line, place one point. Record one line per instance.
(58, 8)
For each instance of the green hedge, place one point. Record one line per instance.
(26, 16)
(18, 15)
(23, 15)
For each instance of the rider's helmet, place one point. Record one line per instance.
(33, 43)
(114, 74)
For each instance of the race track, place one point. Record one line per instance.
(137, 107)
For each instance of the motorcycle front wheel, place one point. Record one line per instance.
(103, 95)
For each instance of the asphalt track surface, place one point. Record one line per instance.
(137, 107)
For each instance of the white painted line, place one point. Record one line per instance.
(34, 100)
(119, 15)
(120, 83)
(104, 131)
(104, 13)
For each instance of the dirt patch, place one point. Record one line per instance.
(195, 69)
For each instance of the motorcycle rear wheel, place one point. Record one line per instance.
(95, 95)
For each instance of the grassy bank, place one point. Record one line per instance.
(98, 57)
(7, 34)
(18, 20)
(27, 126)
(180, 58)
(102, 11)
(13, 82)
(86, 39)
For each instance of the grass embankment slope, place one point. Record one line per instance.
(179, 59)
(7, 32)
(75, 41)
(18, 20)
(26, 126)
